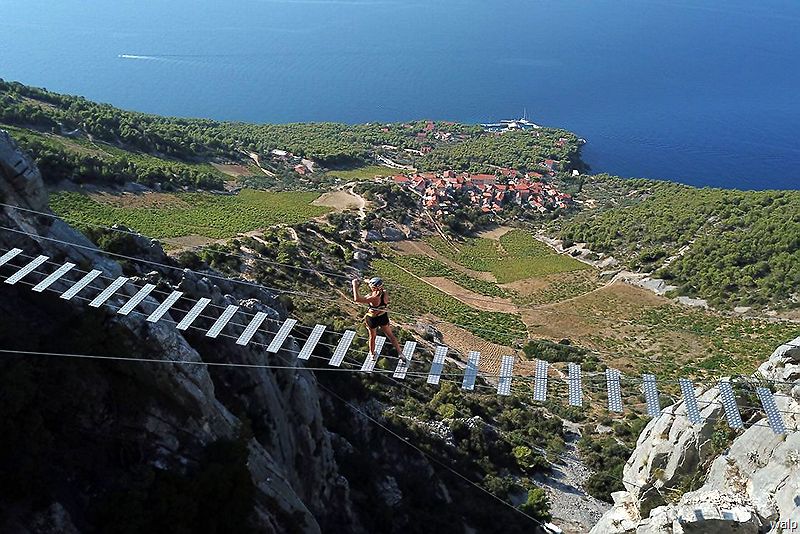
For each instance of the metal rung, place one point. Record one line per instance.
(52, 277)
(369, 363)
(222, 320)
(614, 393)
(540, 384)
(80, 284)
(25, 271)
(471, 371)
(506, 371)
(280, 337)
(403, 365)
(251, 329)
(651, 395)
(136, 299)
(165, 306)
(311, 342)
(196, 310)
(341, 348)
(690, 401)
(575, 390)
(729, 403)
(773, 415)
(438, 365)
(10, 255)
(104, 295)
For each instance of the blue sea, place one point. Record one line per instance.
(702, 92)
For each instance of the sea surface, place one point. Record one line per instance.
(703, 92)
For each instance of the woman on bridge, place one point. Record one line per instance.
(377, 316)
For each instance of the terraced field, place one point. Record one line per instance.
(629, 328)
(183, 214)
(414, 296)
(516, 255)
(368, 172)
(429, 267)
(638, 331)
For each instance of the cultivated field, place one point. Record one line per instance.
(638, 331)
(368, 172)
(184, 214)
(514, 255)
(412, 295)
(628, 327)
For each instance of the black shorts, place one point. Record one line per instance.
(377, 321)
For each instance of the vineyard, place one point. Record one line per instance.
(425, 266)
(558, 287)
(205, 214)
(368, 172)
(516, 256)
(414, 296)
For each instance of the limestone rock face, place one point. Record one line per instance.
(392, 234)
(186, 407)
(373, 235)
(669, 450)
(21, 175)
(751, 487)
(703, 511)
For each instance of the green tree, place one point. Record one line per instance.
(537, 505)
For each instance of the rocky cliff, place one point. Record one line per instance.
(88, 442)
(685, 478)
(94, 446)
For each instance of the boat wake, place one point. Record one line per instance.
(145, 58)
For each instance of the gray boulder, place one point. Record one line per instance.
(21, 173)
(392, 234)
(374, 235)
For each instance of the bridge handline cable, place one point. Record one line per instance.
(34, 236)
(729, 358)
(327, 273)
(419, 375)
(330, 345)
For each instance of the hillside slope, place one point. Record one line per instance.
(708, 478)
(100, 445)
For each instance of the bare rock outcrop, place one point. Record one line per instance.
(183, 408)
(753, 486)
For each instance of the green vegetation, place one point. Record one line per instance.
(543, 349)
(418, 298)
(522, 150)
(77, 159)
(332, 144)
(735, 248)
(425, 266)
(537, 505)
(367, 172)
(516, 256)
(737, 345)
(606, 454)
(560, 287)
(205, 214)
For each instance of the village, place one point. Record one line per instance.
(442, 193)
